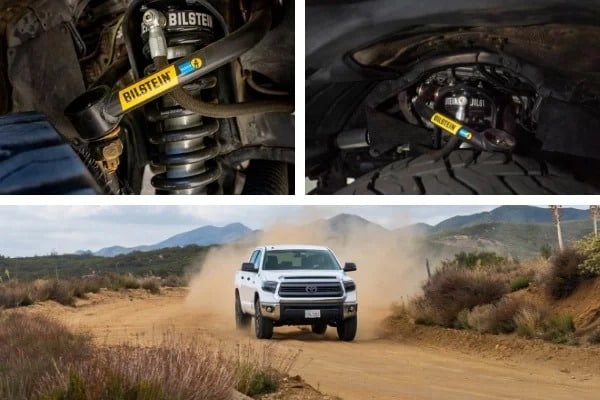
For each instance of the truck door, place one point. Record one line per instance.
(248, 281)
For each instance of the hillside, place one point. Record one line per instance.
(160, 262)
(517, 240)
(511, 214)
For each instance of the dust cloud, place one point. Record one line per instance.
(389, 267)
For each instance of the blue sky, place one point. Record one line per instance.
(40, 230)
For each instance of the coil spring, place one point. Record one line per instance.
(185, 140)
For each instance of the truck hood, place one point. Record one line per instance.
(281, 275)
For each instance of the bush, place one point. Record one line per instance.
(260, 372)
(589, 247)
(528, 321)
(174, 281)
(546, 251)
(151, 284)
(62, 292)
(118, 282)
(15, 294)
(475, 260)
(559, 329)
(451, 290)
(534, 322)
(563, 276)
(493, 318)
(518, 283)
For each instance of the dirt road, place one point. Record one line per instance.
(368, 368)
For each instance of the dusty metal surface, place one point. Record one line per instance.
(569, 49)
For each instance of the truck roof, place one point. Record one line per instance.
(292, 247)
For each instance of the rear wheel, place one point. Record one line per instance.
(319, 328)
(346, 329)
(262, 326)
(242, 321)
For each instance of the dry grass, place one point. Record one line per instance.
(32, 349)
(537, 322)
(171, 371)
(41, 359)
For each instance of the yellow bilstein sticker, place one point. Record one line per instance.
(446, 123)
(148, 87)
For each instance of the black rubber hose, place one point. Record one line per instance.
(224, 110)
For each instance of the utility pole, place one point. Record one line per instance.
(594, 214)
(556, 219)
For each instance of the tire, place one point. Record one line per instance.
(242, 321)
(463, 172)
(262, 326)
(346, 329)
(319, 328)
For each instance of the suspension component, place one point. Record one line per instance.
(100, 135)
(490, 139)
(185, 140)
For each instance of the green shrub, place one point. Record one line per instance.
(451, 290)
(475, 260)
(533, 322)
(559, 329)
(589, 247)
(546, 251)
(260, 371)
(563, 276)
(252, 380)
(518, 283)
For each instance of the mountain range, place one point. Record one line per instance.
(519, 230)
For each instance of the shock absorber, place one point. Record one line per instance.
(185, 142)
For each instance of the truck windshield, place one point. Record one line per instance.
(300, 259)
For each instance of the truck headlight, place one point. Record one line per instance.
(349, 286)
(269, 286)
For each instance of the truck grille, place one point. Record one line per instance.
(310, 289)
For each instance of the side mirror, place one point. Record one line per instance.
(349, 267)
(248, 267)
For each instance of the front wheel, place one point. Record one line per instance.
(346, 329)
(242, 321)
(262, 326)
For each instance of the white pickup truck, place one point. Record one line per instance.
(296, 285)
